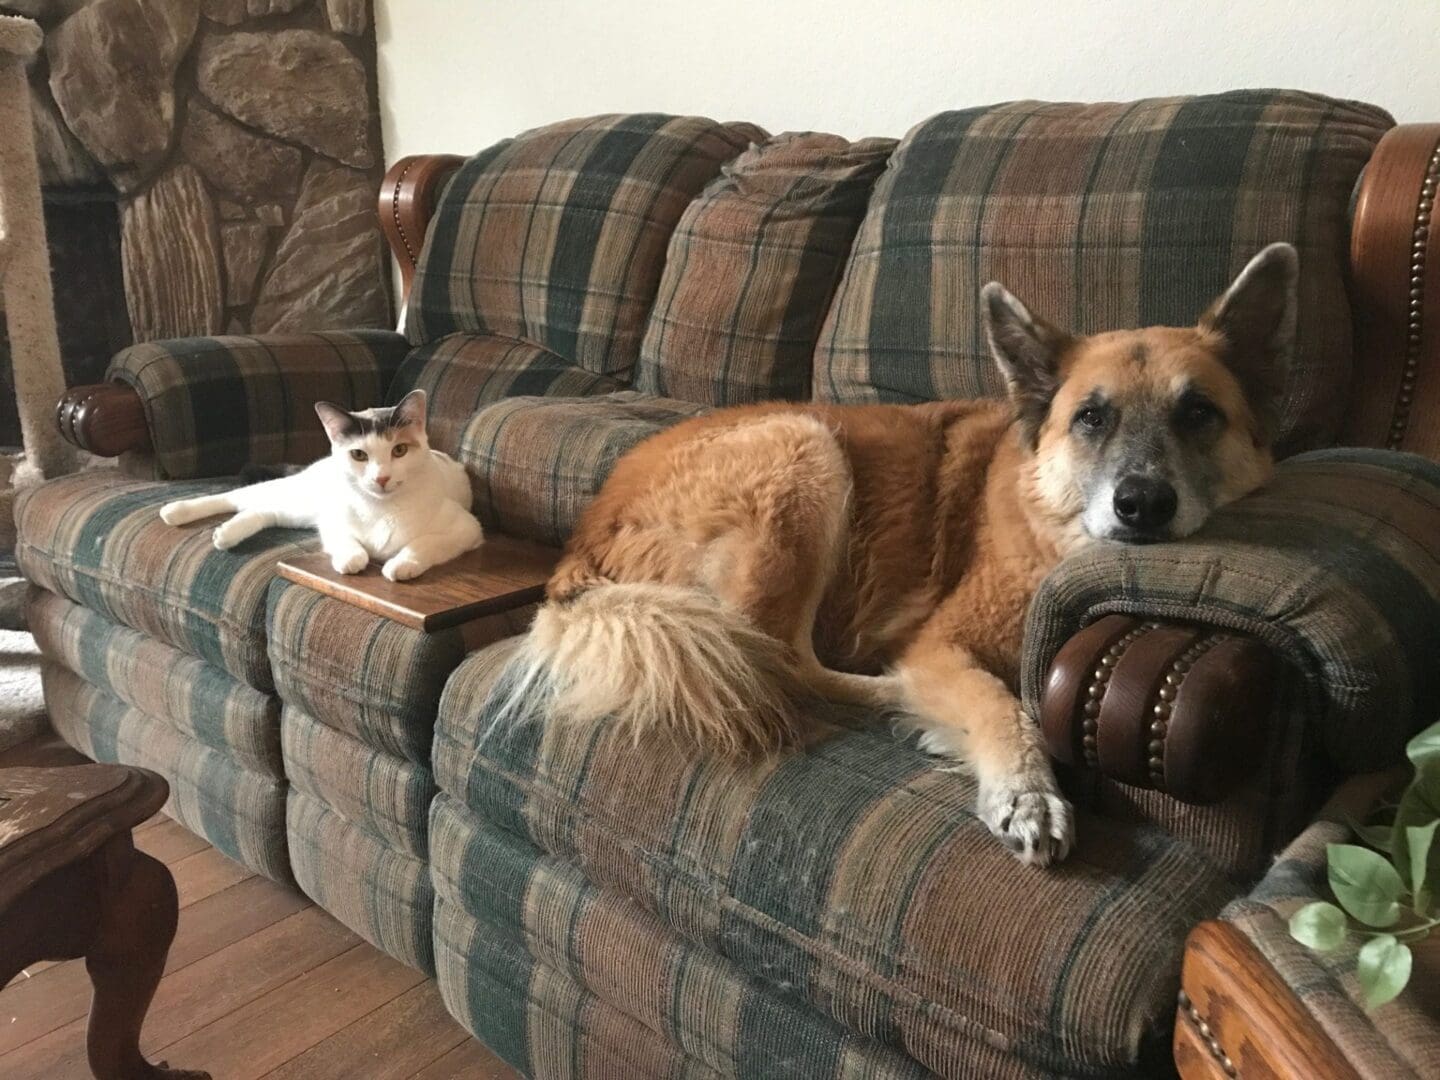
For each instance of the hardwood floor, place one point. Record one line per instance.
(259, 983)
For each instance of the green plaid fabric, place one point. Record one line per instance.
(462, 372)
(1398, 1041)
(361, 674)
(240, 812)
(855, 875)
(1099, 216)
(539, 1019)
(507, 914)
(386, 796)
(558, 236)
(1335, 564)
(96, 538)
(215, 405)
(200, 700)
(382, 894)
(537, 462)
(751, 270)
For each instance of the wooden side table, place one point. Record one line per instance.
(72, 884)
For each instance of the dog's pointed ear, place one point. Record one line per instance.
(1256, 319)
(410, 411)
(1027, 350)
(338, 423)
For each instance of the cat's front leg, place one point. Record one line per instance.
(347, 555)
(459, 532)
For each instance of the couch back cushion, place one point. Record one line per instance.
(1099, 217)
(752, 268)
(558, 236)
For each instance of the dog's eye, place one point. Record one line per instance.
(1090, 417)
(400, 449)
(1196, 413)
(359, 455)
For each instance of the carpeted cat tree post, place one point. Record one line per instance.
(26, 299)
(25, 266)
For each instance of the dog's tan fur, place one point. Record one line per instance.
(880, 555)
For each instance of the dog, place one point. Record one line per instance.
(885, 555)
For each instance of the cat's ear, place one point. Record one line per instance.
(338, 423)
(410, 411)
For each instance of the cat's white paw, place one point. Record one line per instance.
(403, 567)
(174, 513)
(226, 536)
(350, 562)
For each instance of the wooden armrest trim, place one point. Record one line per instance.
(407, 201)
(1391, 247)
(1177, 709)
(105, 419)
(1237, 1017)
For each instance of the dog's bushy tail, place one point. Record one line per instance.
(656, 658)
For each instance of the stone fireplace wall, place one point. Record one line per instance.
(242, 141)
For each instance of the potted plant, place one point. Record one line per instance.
(1387, 887)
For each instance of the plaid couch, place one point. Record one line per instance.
(591, 908)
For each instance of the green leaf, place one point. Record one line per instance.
(1383, 968)
(1417, 843)
(1424, 746)
(1377, 836)
(1365, 883)
(1419, 806)
(1320, 925)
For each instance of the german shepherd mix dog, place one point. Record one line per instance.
(885, 555)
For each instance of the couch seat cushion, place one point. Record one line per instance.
(538, 461)
(198, 699)
(97, 539)
(854, 874)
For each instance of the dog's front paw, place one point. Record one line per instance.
(1030, 819)
(403, 567)
(173, 513)
(350, 562)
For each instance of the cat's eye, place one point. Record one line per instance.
(400, 449)
(359, 455)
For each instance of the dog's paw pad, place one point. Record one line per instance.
(1037, 825)
(403, 568)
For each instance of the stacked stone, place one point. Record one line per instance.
(242, 137)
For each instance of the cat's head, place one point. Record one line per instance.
(378, 450)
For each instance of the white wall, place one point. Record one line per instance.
(456, 75)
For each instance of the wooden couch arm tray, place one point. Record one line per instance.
(501, 574)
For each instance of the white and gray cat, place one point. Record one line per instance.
(382, 494)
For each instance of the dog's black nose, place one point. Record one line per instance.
(1143, 502)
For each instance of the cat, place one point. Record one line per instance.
(382, 493)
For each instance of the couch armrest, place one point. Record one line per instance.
(1334, 568)
(407, 201)
(104, 419)
(211, 406)
(1180, 709)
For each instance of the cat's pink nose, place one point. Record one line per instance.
(382, 480)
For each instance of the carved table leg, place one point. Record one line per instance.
(126, 960)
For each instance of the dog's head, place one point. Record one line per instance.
(1137, 435)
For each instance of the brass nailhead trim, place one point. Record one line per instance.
(1420, 238)
(1095, 693)
(395, 212)
(1160, 726)
(1216, 1050)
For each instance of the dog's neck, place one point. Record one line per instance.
(1055, 534)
